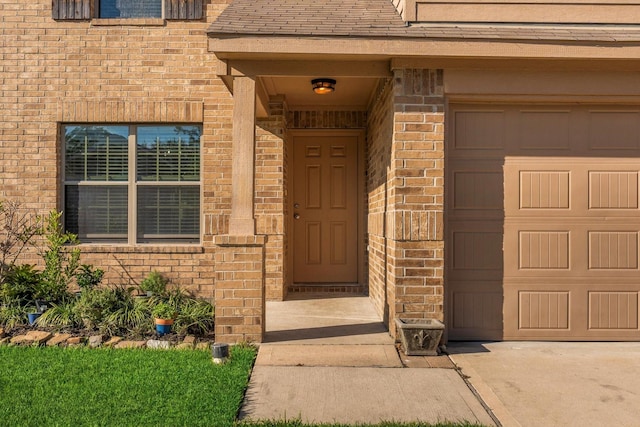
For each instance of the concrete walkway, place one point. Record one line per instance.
(331, 360)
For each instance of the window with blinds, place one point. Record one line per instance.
(89, 9)
(132, 184)
(130, 9)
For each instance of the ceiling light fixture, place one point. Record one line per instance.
(323, 86)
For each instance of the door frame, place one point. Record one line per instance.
(361, 220)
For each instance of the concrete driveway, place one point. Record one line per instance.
(555, 383)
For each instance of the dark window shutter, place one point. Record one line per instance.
(183, 9)
(71, 9)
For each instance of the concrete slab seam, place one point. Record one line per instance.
(489, 401)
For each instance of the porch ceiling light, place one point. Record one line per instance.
(323, 86)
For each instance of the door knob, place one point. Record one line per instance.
(296, 205)
(296, 216)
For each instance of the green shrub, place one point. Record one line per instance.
(22, 285)
(89, 277)
(60, 262)
(94, 305)
(164, 311)
(133, 316)
(61, 315)
(195, 317)
(12, 315)
(154, 283)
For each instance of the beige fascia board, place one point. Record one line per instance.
(350, 48)
(518, 64)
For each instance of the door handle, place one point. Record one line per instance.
(296, 216)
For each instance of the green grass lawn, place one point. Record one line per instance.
(104, 387)
(87, 387)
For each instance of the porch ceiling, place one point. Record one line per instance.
(352, 93)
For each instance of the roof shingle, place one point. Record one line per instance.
(379, 19)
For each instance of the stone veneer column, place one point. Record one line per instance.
(240, 255)
(415, 215)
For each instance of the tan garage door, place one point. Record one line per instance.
(543, 222)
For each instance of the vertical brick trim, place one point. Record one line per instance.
(270, 194)
(415, 212)
(183, 9)
(239, 290)
(379, 145)
(123, 111)
(71, 9)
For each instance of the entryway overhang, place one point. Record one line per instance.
(291, 78)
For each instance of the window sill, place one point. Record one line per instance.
(136, 22)
(142, 249)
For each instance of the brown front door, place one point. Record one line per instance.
(325, 209)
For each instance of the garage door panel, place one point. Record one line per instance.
(608, 249)
(476, 190)
(613, 190)
(613, 250)
(481, 131)
(475, 250)
(543, 310)
(619, 130)
(568, 235)
(544, 130)
(541, 187)
(613, 310)
(543, 250)
(476, 311)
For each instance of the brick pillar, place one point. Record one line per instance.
(240, 255)
(414, 218)
(239, 294)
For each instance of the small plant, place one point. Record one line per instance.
(60, 262)
(22, 285)
(154, 284)
(61, 315)
(164, 311)
(88, 277)
(195, 317)
(18, 227)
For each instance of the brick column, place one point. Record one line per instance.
(239, 294)
(415, 210)
(240, 255)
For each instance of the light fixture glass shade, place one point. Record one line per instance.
(323, 86)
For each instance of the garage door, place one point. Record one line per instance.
(543, 222)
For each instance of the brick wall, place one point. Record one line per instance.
(379, 139)
(415, 223)
(406, 196)
(52, 72)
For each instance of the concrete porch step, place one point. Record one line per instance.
(343, 355)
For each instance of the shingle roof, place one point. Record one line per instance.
(310, 17)
(379, 18)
